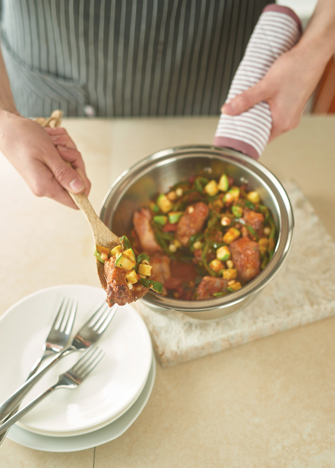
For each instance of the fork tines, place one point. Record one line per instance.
(102, 317)
(65, 316)
(89, 360)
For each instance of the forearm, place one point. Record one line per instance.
(6, 97)
(318, 40)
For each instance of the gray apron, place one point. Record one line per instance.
(122, 58)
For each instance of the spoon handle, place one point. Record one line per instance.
(99, 229)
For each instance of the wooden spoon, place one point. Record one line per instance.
(102, 235)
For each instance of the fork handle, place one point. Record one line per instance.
(12, 420)
(15, 399)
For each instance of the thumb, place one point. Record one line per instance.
(65, 175)
(245, 100)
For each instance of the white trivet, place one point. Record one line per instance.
(302, 292)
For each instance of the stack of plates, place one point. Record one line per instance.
(106, 403)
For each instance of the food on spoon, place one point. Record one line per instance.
(206, 238)
(128, 276)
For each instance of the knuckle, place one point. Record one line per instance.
(61, 173)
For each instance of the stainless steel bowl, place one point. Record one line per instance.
(158, 172)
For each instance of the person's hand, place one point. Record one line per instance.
(41, 156)
(287, 87)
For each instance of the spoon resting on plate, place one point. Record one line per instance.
(118, 271)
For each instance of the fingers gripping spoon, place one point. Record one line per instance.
(103, 236)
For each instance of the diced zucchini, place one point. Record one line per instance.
(131, 277)
(232, 195)
(223, 253)
(253, 197)
(129, 253)
(237, 211)
(143, 257)
(229, 274)
(101, 250)
(223, 183)
(160, 219)
(154, 207)
(231, 235)
(124, 262)
(144, 269)
(235, 287)
(216, 265)
(148, 283)
(174, 216)
(164, 203)
(98, 256)
(212, 188)
(116, 251)
(125, 242)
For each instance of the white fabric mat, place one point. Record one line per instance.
(302, 292)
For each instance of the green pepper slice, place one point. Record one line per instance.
(147, 283)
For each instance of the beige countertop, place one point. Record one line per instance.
(269, 403)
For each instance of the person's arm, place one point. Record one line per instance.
(39, 155)
(294, 76)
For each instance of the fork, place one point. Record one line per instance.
(89, 333)
(70, 379)
(60, 332)
(57, 339)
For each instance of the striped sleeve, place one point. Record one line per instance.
(277, 30)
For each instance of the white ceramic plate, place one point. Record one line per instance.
(93, 439)
(109, 391)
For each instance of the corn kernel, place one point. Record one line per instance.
(231, 282)
(172, 196)
(229, 274)
(230, 264)
(267, 231)
(197, 245)
(216, 265)
(223, 253)
(104, 256)
(177, 243)
(253, 197)
(173, 248)
(225, 221)
(231, 235)
(179, 192)
(211, 188)
(190, 209)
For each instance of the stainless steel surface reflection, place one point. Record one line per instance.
(159, 171)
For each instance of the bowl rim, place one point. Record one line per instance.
(279, 194)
